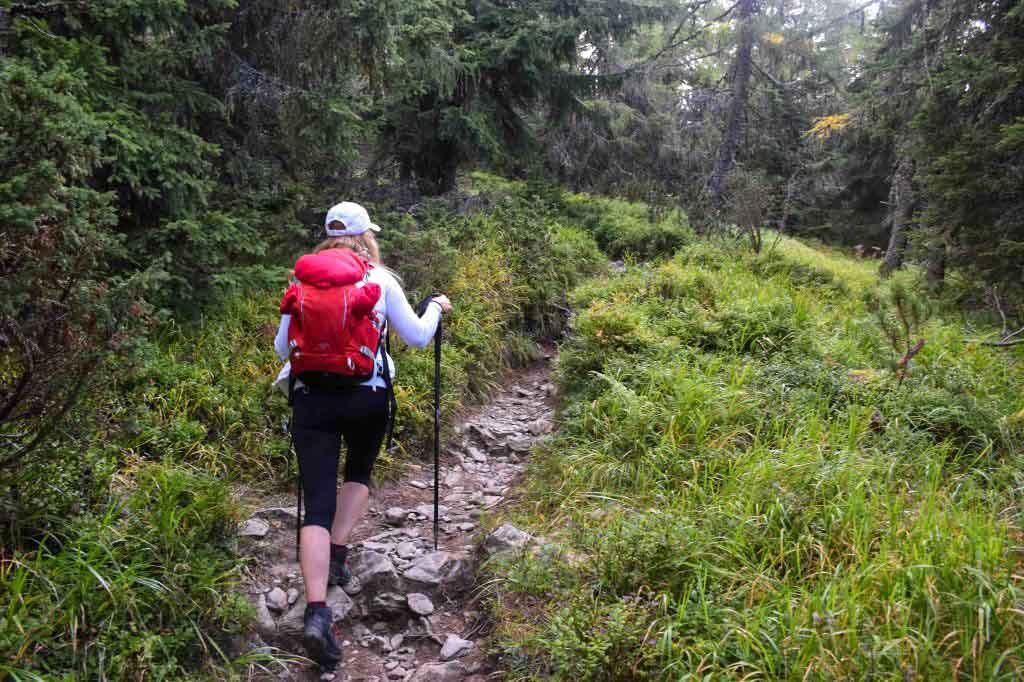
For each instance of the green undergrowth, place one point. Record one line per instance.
(743, 488)
(120, 560)
(140, 589)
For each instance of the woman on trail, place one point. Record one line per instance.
(330, 407)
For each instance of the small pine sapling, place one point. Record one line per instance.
(901, 316)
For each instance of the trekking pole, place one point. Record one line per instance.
(438, 336)
(437, 427)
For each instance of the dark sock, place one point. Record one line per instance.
(339, 552)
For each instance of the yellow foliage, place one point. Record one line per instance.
(773, 38)
(824, 126)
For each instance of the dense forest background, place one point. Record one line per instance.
(156, 156)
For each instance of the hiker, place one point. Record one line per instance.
(341, 397)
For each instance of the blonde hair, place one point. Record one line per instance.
(364, 244)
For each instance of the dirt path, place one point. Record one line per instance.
(409, 616)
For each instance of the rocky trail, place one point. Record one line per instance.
(408, 616)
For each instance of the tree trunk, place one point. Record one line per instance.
(937, 255)
(726, 157)
(901, 201)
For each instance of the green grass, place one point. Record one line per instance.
(743, 490)
(121, 560)
(142, 585)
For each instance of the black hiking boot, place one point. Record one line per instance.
(339, 573)
(318, 636)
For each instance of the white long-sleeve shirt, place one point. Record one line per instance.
(392, 306)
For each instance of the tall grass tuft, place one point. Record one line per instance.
(742, 491)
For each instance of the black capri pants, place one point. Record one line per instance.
(322, 419)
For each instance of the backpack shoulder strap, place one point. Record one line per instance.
(389, 387)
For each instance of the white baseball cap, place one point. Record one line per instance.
(353, 216)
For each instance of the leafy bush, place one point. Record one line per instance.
(622, 228)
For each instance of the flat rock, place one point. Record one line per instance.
(421, 485)
(282, 514)
(506, 538)
(420, 603)
(436, 568)
(428, 510)
(254, 528)
(453, 671)
(518, 445)
(476, 454)
(454, 647)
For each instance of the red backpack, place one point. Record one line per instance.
(334, 334)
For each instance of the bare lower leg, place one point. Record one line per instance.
(314, 558)
(353, 499)
(315, 549)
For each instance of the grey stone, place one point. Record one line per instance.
(477, 455)
(397, 641)
(381, 644)
(293, 596)
(428, 510)
(454, 647)
(389, 603)
(395, 516)
(381, 547)
(282, 514)
(506, 538)
(406, 550)
(397, 674)
(483, 432)
(277, 600)
(436, 568)
(418, 484)
(466, 527)
(453, 671)
(518, 445)
(328, 677)
(254, 528)
(420, 603)
(265, 624)
(374, 570)
(391, 665)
